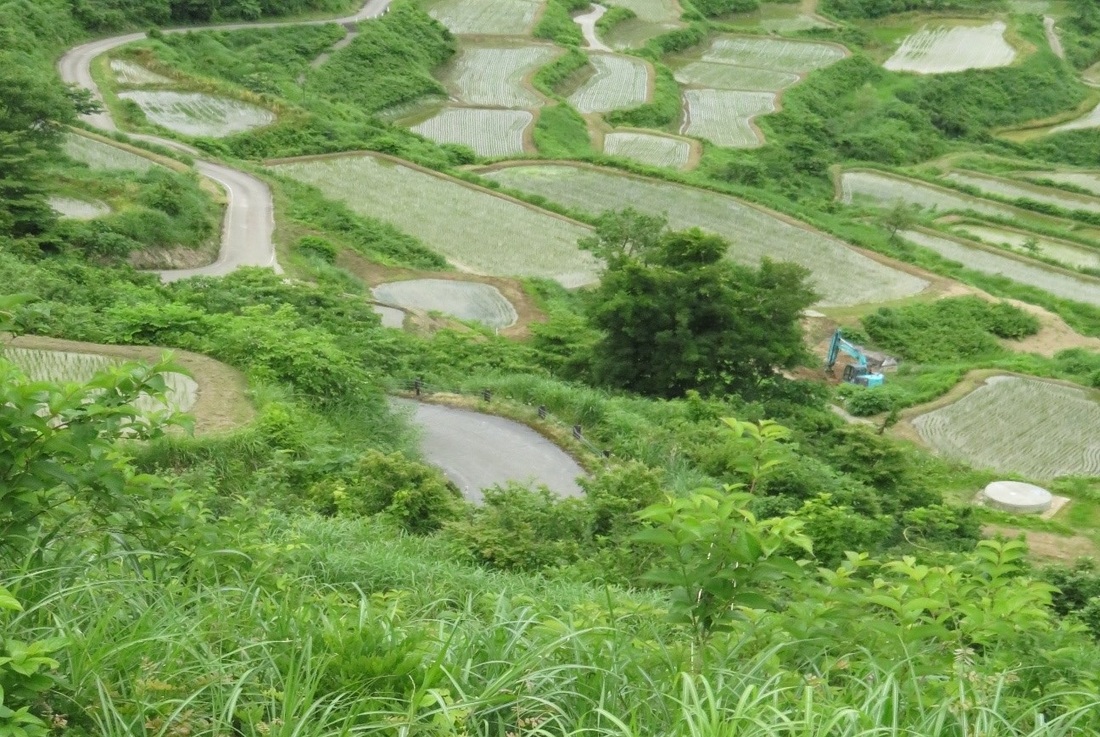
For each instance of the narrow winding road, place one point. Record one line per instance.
(250, 213)
(587, 22)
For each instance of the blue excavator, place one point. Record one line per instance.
(866, 371)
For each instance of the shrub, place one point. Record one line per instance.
(316, 247)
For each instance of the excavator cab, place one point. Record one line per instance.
(859, 372)
(855, 375)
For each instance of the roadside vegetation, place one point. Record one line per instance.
(759, 549)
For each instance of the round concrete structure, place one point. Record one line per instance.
(1015, 496)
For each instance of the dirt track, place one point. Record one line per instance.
(250, 212)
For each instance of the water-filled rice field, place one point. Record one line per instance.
(476, 231)
(1009, 188)
(494, 76)
(724, 117)
(1089, 181)
(841, 275)
(942, 48)
(76, 209)
(779, 17)
(1017, 425)
(66, 366)
(796, 57)
(878, 189)
(648, 148)
(198, 114)
(1090, 119)
(730, 77)
(465, 300)
(619, 82)
(488, 17)
(1065, 252)
(490, 133)
(127, 72)
(990, 261)
(656, 11)
(99, 155)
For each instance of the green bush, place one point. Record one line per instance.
(317, 247)
(557, 25)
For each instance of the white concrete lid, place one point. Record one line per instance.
(1017, 494)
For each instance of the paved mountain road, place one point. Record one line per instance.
(250, 212)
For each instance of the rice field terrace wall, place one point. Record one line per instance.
(990, 260)
(466, 300)
(1012, 424)
(490, 133)
(620, 82)
(1089, 181)
(486, 17)
(943, 48)
(735, 79)
(99, 155)
(475, 229)
(495, 76)
(884, 190)
(649, 148)
(1022, 190)
(67, 366)
(198, 114)
(841, 275)
(1070, 254)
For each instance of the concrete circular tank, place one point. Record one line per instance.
(1016, 496)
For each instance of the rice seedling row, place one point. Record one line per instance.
(1032, 273)
(648, 148)
(841, 275)
(465, 300)
(1009, 188)
(76, 209)
(1085, 180)
(619, 82)
(490, 133)
(731, 77)
(1089, 120)
(1016, 425)
(487, 17)
(654, 11)
(1070, 254)
(67, 366)
(878, 189)
(945, 49)
(795, 57)
(198, 114)
(129, 73)
(98, 155)
(475, 230)
(494, 77)
(724, 117)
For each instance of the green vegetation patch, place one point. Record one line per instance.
(840, 275)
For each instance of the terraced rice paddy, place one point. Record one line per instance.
(941, 49)
(197, 114)
(495, 76)
(74, 209)
(1065, 252)
(490, 133)
(841, 275)
(990, 261)
(1089, 181)
(875, 188)
(99, 155)
(1089, 120)
(1016, 190)
(498, 236)
(65, 366)
(797, 57)
(648, 148)
(655, 11)
(725, 117)
(778, 17)
(466, 300)
(127, 72)
(730, 77)
(619, 82)
(1016, 425)
(487, 17)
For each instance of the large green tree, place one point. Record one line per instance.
(676, 314)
